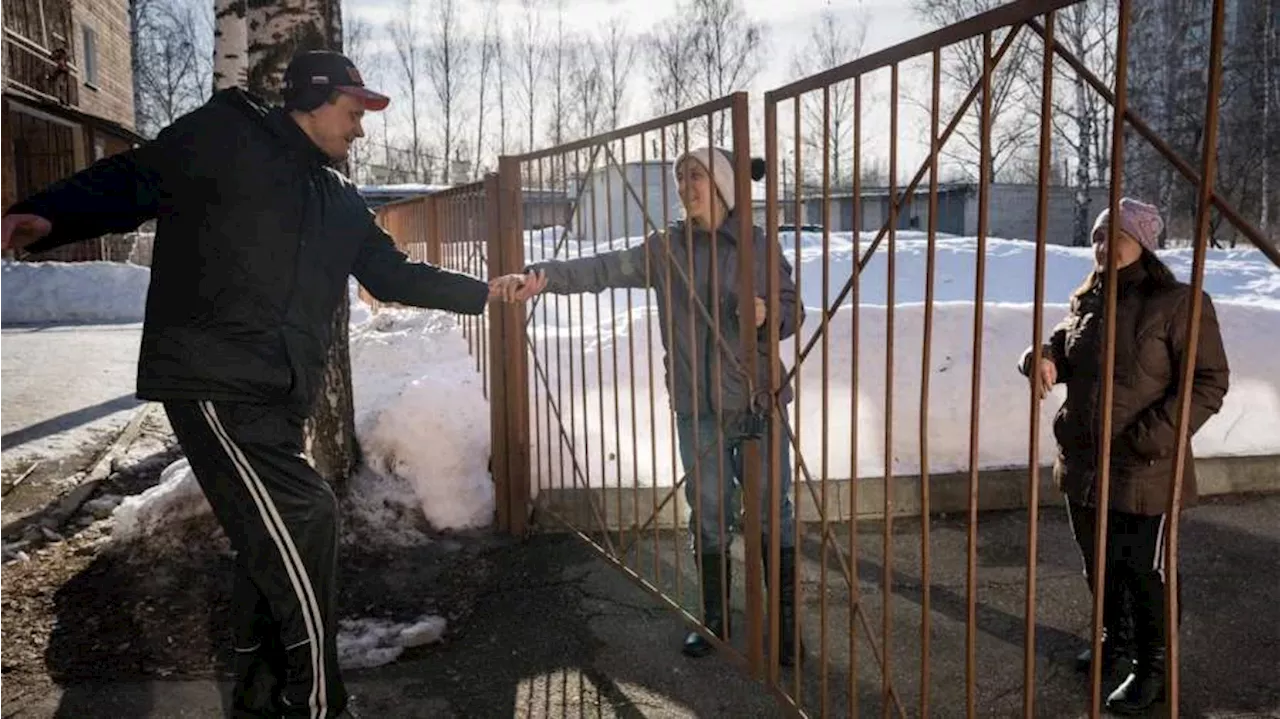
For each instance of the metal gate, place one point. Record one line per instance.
(584, 427)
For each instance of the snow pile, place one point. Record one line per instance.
(176, 498)
(577, 337)
(422, 421)
(364, 643)
(72, 292)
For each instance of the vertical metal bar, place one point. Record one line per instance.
(747, 329)
(513, 352)
(585, 495)
(1037, 341)
(855, 593)
(582, 336)
(776, 415)
(886, 676)
(595, 251)
(926, 359)
(482, 323)
(498, 409)
(690, 271)
(546, 341)
(984, 197)
(545, 344)
(667, 259)
(795, 470)
(653, 412)
(1182, 445)
(717, 390)
(631, 372)
(823, 658)
(1103, 493)
(539, 399)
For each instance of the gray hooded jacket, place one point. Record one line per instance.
(661, 263)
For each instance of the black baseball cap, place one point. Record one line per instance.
(325, 70)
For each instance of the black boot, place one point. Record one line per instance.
(1145, 684)
(786, 604)
(715, 615)
(1115, 652)
(1117, 626)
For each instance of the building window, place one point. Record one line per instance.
(90, 55)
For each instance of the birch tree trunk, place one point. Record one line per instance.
(230, 44)
(277, 30)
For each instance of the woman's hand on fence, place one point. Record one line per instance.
(762, 312)
(516, 287)
(1047, 376)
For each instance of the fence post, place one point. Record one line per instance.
(508, 370)
(431, 224)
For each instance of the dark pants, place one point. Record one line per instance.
(713, 465)
(281, 518)
(1134, 591)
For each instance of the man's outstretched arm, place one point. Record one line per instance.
(114, 194)
(390, 276)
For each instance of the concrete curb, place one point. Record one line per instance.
(998, 489)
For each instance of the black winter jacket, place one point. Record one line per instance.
(255, 239)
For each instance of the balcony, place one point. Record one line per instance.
(39, 54)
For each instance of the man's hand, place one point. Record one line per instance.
(1047, 377)
(762, 312)
(517, 288)
(22, 230)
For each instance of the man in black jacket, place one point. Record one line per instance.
(256, 237)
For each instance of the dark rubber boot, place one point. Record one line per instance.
(714, 592)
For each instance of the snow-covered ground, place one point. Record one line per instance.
(72, 292)
(1244, 285)
(64, 386)
(423, 422)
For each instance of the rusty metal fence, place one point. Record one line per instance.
(845, 314)
(466, 228)
(647, 403)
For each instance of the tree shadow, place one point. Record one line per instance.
(67, 421)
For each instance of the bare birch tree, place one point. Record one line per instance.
(357, 44)
(587, 88)
(447, 68)
(671, 48)
(504, 71)
(531, 54)
(728, 52)
(489, 39)
(562, 59)
(833, 41)
(230, 44)
(406, 35)
(619, 50)
(1013, 126)
(279, 30)
(172, 62)
(287, 28)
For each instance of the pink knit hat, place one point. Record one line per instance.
(1137, 219)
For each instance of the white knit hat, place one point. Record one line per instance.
(718, 165)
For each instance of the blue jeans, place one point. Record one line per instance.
(715, 496)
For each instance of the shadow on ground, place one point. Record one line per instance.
(544, 628)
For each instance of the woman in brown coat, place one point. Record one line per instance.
(1151, 339)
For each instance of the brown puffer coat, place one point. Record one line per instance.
(1151, 337)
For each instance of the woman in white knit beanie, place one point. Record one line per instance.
(714, 416)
